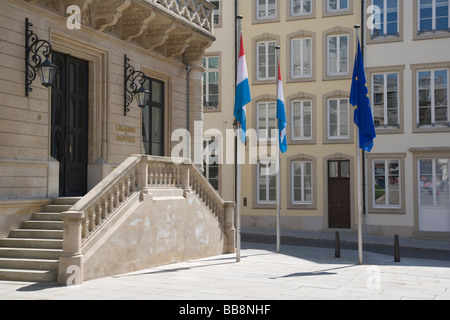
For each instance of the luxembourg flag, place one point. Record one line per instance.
(281, 113)
(243, 96)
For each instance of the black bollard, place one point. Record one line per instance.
(396, 249)
(337, 247)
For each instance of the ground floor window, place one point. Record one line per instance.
(386, 183)
(153, 119)
(210, 163)
(267, 185)
(434, 182)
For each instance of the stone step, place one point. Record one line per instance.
(28, 275)
(30, 253)
(31, 264)
(58, 208)
(36, 234)
(31, 243)
(46, 225)
(46, 216)
(66, 200)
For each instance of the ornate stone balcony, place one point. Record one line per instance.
(177, 29)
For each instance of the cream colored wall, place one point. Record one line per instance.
(223, 120)
(309, 219)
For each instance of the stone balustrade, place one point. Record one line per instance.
(136, 173)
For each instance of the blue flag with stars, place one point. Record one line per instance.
(359, 98)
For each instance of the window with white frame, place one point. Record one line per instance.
(301, 57)
(337, 55)
(266, 120)
(266, 9)
(434, 182)
(216, 4)
(338, 119)
(267, 186)
(301, 7)
(301, 120)
(266, 60)
(386, 183)
(432, 98)
(385, 99)
(302, 182)
(211, 83)
(211, 163)
(433, 16)
(387, 23)
(337, 5)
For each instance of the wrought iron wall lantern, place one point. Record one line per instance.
(131, 88)
(35, 50)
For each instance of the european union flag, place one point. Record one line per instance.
(359, 98)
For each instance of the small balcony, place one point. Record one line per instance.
(177, 29)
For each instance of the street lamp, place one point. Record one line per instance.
(130, 87)
(33, 60)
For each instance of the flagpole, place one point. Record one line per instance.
(358, 155)
(238, 157)
(279, 162)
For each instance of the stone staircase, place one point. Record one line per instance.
(32, 252)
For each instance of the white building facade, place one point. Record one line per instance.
(407, 61)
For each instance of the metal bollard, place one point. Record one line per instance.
(337, 247)
(396, 249)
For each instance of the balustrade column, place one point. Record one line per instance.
(229, 226)
(71, 260)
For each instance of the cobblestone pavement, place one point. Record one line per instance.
(296, 273)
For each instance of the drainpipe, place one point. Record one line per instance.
(188, 104)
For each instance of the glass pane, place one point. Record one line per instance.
(394, 183)
(392, 98)
(272, 60)
(442, 182)
(379, 182)
(262, 60)
(378, 99)
(332, 55)
(332, 5)
(296, 57)
(426, 15)
(157, 127)
(272, 8)
(146, 130)
(426, 181)
(272, 188)
(296, 119)
(307, 57)
(344, 119)
(343, 52)
(333, 169)
(441, 96)
(345, 169)
(157, 92)
(392, 17)
(425, 97)
(442, 15)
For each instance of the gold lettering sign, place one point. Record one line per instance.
(125, 138)
(126, 129)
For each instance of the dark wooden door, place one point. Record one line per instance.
(339, 215)
(70, 123)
